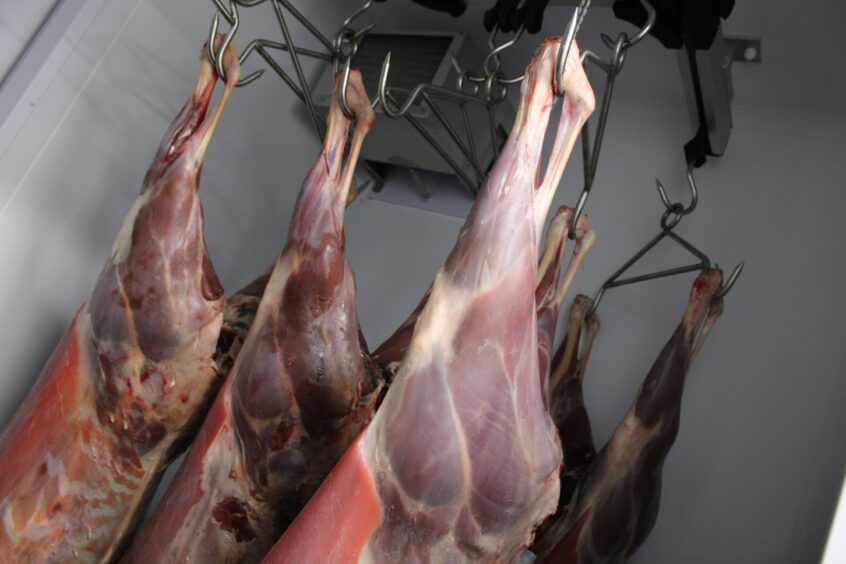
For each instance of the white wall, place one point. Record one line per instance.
(18, 23)
(756, 470)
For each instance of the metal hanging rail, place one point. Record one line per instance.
(487, 89)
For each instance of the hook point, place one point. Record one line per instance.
(250, 78)
(382, 94)
(564, 52)
(663, 194)
(729, 284)
(383, 75)
(342, 92)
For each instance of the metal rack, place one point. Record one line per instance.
(485, 88)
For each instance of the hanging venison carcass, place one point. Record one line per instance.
(302, 388)
(550, 291)
(461, 461)
(130, 379)
(242, 306)
(616, 504)
(547, 284)
(566, 403)
(238, 317)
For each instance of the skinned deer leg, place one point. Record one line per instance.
(301, 389)
(616, 504)
(461, 461)
(129, 382)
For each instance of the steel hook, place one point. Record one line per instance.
(383, 92)
(671, 217)
(677, 208)
(261, 44)
(618, 53)
(383, 87)
(489, 88)
(612, 68)
(729, 284)
(463, 75)
(230, 16)
(348, 36)
(344, 37)
(342, 89)
(595, 301)
(217, 56)
(497, 49)
(579, 209)
(647, 27)
(564, 52)
(355, 15)
(210, 43)
(352, 38)
(360, 33)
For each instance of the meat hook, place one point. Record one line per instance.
(352, 38)
(493, 55)
(416, 93)
(671, 217)
(231, 15)
(346, 35)
(260, 45)
(647, 27)
(678, 208)
(490, 65)
(729, 284)
(564, 48)
(342, 91)
(590, 153)
(355, 15)
(563, 51)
